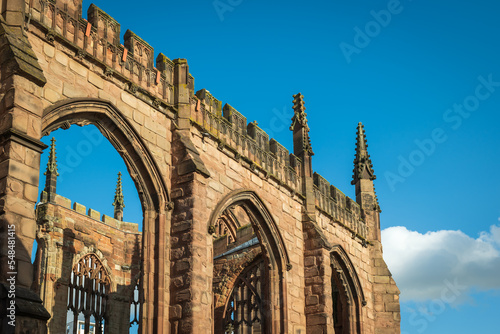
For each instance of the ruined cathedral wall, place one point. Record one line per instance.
(68, 233)
(360, 257)
(229, 174)
(84, 60)
(82, 231)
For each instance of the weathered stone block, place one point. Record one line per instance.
(94, 214)
(79, 208)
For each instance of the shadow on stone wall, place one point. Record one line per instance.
(19, 306)
(117, 316)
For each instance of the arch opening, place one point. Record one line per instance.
(83, 191)
(154, 199)
(250, 261)
(347, 294)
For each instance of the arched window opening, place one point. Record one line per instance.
(347, 295)
(245, 307)
(85, 188)
(101, 142)
(238, 276)
(88, 291)
(340, 307)
(248, 285)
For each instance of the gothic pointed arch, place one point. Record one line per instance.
(117, 129)
(151, 186)
(347, 293)
(274, 255)
(261, 218)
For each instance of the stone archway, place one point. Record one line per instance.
(273, 252)
(152, 189)
(347, 294)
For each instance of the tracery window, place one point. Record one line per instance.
(224, 227)
(88, 295)
(245, 307)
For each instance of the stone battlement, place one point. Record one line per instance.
(246, 141)
(93, 214)
(338, 206)
(249, 142)
(97, 40)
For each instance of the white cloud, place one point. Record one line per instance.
(423, 265)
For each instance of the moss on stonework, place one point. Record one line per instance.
(244, 227)
(220, 237)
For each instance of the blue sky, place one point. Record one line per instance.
(422, 76)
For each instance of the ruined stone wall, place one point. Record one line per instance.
(91, 78)
(66, 235)
(189, 158)
(228, 175)
(343, 227)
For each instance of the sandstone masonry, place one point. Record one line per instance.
(239, 235)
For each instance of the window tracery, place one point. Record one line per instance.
(245, 308)
(88, 291)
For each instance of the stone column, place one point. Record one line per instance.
(191, 245)
(191, 255)
(318, 284)
(21, 79)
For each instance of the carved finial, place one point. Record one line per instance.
(299, 111)
(52, 163)
(119, 203)
(299, 122)
(51, 173)
(363, 167)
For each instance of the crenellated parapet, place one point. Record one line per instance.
(248, 141)
(96, 42)
(245, 141)
(339, 207)
(75, 207)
